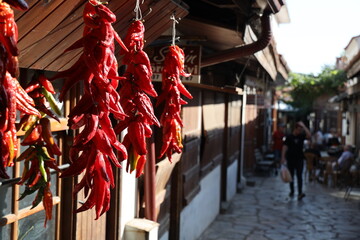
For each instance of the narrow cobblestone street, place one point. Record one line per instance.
(265, 212)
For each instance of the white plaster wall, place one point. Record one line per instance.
(231, 180)
(128, 202)
(203, 209)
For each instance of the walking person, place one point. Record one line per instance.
(293, 155)
(278, 139)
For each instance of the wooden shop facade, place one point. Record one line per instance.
(230, 52)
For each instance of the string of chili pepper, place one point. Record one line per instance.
(39, 156)
(12, 95)
(135, 101)
(172, 88)
(92, 149)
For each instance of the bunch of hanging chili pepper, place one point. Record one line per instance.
(92, 149)
(12, 95)
(39, 156)
(134, 100)
(172, 87)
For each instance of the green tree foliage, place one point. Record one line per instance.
(305, 88)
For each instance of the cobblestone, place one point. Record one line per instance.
(266, 212)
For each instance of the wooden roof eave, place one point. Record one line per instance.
(47, 29)
(220, 38)
(353, 67)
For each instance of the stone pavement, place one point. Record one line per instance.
(265, 212)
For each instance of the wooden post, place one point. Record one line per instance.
(225, 151)
(149, 180)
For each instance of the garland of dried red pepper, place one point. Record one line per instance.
(92, 149)
(134, 100)
(42, 146)
(171, 88)
(39, 156)
(12, 95)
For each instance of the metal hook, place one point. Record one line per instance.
(148, 12)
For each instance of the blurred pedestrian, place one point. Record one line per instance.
(344, 161)
(293, 155)
(318, 140)
(278, 138)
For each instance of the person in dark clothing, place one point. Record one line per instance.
(278, 141)
(293, 155)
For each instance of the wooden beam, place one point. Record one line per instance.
(55, 126)
(25, 212)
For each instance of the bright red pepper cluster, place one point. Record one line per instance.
(134, 100)
(172, 87)
(12, 95)
(92, 149)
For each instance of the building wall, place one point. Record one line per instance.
(203, 209)
(231, 180)
(128, 199)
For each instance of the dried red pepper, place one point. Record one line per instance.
(94, 147)
(136, 104)
(172, 87)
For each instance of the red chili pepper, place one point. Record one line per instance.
(22, 93)
(8, 31)
(47, 136)
(33, 137)
(89, 15)
(11, 148)
(24, 107)
(79, 165)
(103, 144)
(143, 79)
(36, 179)
(46, 84)
(143, 102)
(137, 137)
(3, 157)
(33, 170)
(90, 201)
(89, 131)
(140, 165)
(135, 36)
(47, 203)
(42, 108)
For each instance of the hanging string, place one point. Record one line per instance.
(173, 29)
(137, 10)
